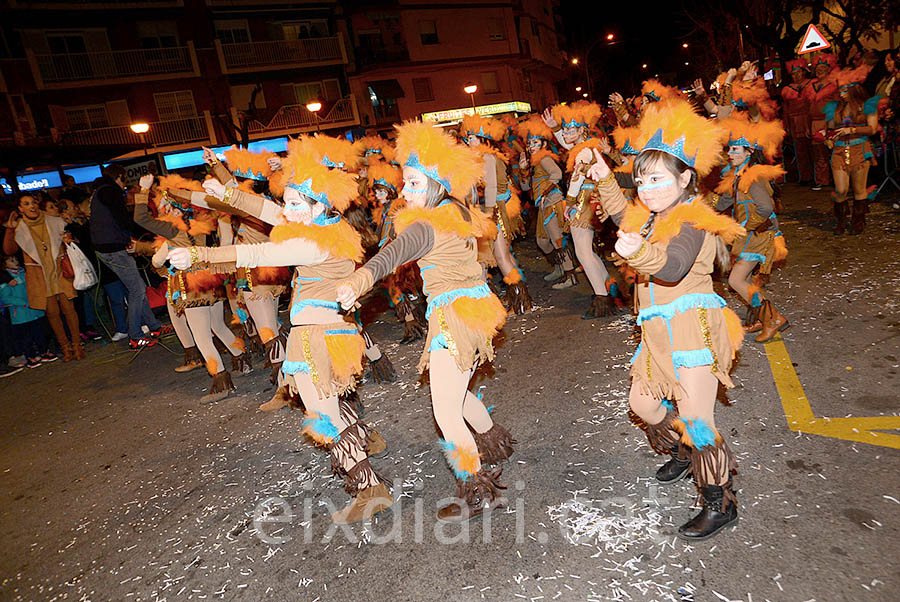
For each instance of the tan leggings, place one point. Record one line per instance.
(593, 266)
(843, 181)
(739, 278)
(547, 245)
(60, 304)
(329, 406)
(453, 404)
(180, 324)
(699, 402)
(264, 311)
(206, 321)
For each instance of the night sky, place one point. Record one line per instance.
(654, 39)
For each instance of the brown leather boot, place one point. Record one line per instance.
(68, 352)
(220, 388)
(858, 218)
(840, 214)
(752, 323)
(192, 360)
(364, 505)
(78, 350)
(278, 401)
(478, 494)
(375, 443)
(772, 322)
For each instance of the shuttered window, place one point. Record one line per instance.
(422, 89)
(175, 105)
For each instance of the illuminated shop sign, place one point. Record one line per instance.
(50, 179)
(514, 106)
(195, 157)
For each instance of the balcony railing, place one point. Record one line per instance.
(278, 54)
(90, 68)
(295, 118)
(93, 4)
(161, 133)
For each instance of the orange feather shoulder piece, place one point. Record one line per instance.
(449, 220)
(758, 172)
(697, 213)
(339, 239)
(590, 143)
(539, 156)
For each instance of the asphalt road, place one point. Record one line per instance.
(117, 484)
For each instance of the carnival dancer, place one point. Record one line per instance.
(324, 351)
(850, 121)
(402, 287)
(688, 335)
(501, 201)
(796, 118)
(197, 294)
(439, 232)
(746, 189)
(543, 180)
(571, 126)
(818, 93)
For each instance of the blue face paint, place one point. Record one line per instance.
(656, 185)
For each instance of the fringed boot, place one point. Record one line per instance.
(752, 322)
(517, 299)
(569, 278)
(556, 261)
(350, 407)
(274, 350)
(382, 371)
(413, 329)
(710, 459)
(240, 364)
(858, 218)
(601, 306)
(220, 388)
(840, 214)
(475, 495)
(192, 360)
(494, 445)
(677, 467)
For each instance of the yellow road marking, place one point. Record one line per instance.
(800, 416)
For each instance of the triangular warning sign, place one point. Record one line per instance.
(813, 41)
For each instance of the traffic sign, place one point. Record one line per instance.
(813, 41)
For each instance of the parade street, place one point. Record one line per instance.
(118, 485)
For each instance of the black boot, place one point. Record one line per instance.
(719, 511)
(858, 218)
(675, 469)
(840, 214)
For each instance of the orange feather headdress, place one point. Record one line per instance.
(376, 145)
(578, 114)
(766, 136)
(674, 128)
(334, 152)
(245, 163)
(533, 127)
(656, 91)
(384, 174)
(173, 182)
(305, 172)
(454, 166)
(844, 78)
(485, 127)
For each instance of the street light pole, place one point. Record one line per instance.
(471, 89)
(314, 107)
(141, 130)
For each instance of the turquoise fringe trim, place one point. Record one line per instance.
(829, 110)
(449, 448)
(242, 315)
(753, 257)
(692, 358)
(870, 107)
(337, 331)
(680, 305)
(550, 217)
(700, 433)
(302, 304)
(438, 342)
(667, 404)
(476, 292)
(322, 426)
(756, 300)
(292, 367)
(637, 352)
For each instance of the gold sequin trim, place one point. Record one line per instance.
(703, 316)
(451, 344)
(307, 356)
(226, 198)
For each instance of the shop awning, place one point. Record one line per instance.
(387, 88)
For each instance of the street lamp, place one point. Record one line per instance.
(685, 45)
(575, 61)
(610, 36)
(314, 106)
(140, 129)
(585, 94)
(644, 66)
(578, 88)
(471, 89)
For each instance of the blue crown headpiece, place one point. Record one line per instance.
(530, 136)
(413, 161)
(743, 142)
(627, 149)
(651, 95)
(329, 163)
(372, 151)
(248, 174)
(385, 183)
(573, 123)
(676, 150)
(305, 188)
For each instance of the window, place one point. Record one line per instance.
(428, 32)
(299, 30)
(422, 89)
(233, 31)
(496, 32)
(329, 89)
(87, 117)
(175, 105)
(240, 97)
(528, 86)
(489, 82)
(66, 43)
(158, 34)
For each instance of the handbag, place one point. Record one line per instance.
(64, 264)
(85, 276)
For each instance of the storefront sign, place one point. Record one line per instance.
(514, 106)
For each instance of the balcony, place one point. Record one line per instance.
(161, 134)
(93, 4)
(112, 66)
(291, 119)
(251, 57)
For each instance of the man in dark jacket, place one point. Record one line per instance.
(111, 227)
